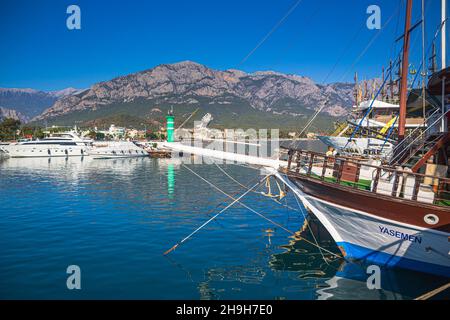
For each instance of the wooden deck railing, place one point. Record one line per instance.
(359, 174)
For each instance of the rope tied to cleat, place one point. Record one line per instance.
(275, 198)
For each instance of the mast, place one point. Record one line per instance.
(404, 76)
(391, 83)
(443, 33)
(356, 89)
(366, 90)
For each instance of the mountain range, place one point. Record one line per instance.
(234, 98)
(28, 103)
(13, 114)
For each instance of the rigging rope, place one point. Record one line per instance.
(351, 67)
(281, 195)
(274, 28)
(212, 218)
(369, 110)
(395, 13)
(231, 178)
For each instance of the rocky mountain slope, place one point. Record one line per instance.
(9, 113)
(187, 85)
(30, 102)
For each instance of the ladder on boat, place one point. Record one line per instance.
(420, 144)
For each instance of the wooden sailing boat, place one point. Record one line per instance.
(388, 215)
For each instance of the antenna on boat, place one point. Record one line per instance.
(423, 69)
(391, 83)
(433, 63)
(366, 91)
(443, 33)
(404, 73)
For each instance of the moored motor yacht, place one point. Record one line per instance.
(117, 149)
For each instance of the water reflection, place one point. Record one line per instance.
(339, 279)
(117, 216)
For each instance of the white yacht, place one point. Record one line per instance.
(381, 119)
(117, 149)
(65, 144)
(359, 146)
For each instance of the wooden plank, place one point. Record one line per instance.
(434, 292)
(438, 145)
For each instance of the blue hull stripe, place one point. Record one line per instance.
(355, 252)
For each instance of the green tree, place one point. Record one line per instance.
(92, 134)
(99, 136)
(152, 135)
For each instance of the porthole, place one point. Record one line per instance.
(431, 218)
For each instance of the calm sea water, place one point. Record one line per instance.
(116, 218)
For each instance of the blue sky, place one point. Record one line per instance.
(121, 37)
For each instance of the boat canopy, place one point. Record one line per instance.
(377, 104)
(435, 82)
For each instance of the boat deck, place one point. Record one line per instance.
(357, 174)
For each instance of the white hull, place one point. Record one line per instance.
(356, 145)
(34, 151)
(62, 144)
(363, 236)
(109, 156)
(117, 149)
